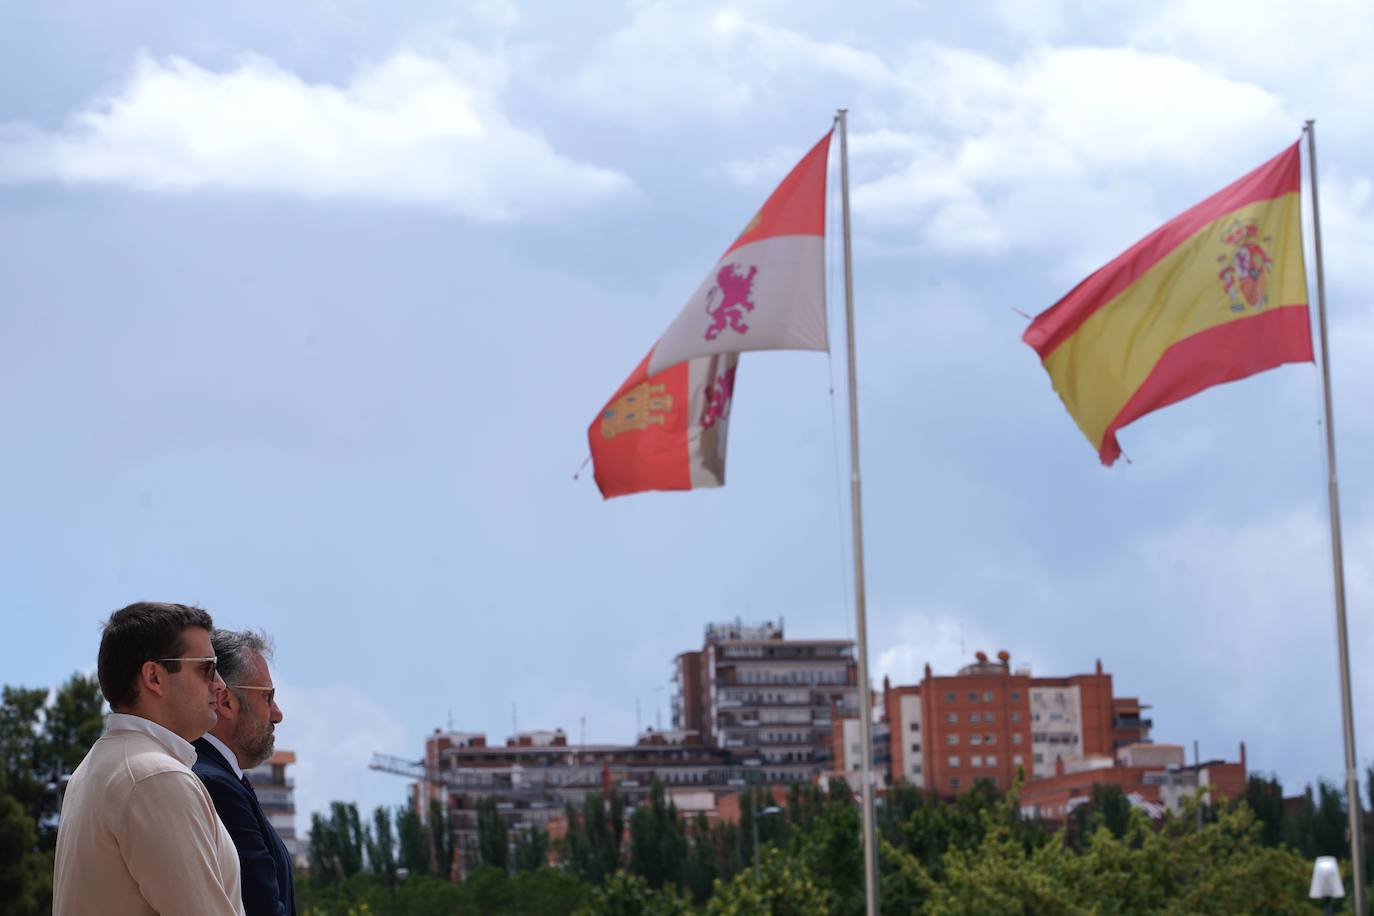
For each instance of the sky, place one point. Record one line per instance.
(305, 310)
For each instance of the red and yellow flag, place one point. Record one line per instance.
(665, 427)
(1214, 295)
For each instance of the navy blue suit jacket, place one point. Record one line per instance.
(264, 862)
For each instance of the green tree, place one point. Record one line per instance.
(531, 849)
(348, 831)
(440, 839)
(492, 841)
(593, 844)
(22, 750)
(1330, 823)
(490, 889)
(73, 722)
(25, 871)
(779, 888)
(701, 869)
(548, 892)
(830, 853)
(1109, 808)
(1222, 867)
(414, 854)
(381, 846)
(624, 894)
(1265, 800)
(658, 846)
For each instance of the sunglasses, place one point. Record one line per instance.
(206, 664)
(270, 691)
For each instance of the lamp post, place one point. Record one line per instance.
(1326, 882)
(770, 810)
(752, 767)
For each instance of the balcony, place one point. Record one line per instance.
(1132, 722)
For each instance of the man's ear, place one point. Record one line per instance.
(226, 704)
(152, 677)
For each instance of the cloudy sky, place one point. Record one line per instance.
(305, 309)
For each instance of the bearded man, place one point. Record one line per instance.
(243, 737)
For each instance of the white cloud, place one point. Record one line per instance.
(411, 130)
(1048, 146)
(334, 731)
(943, 637)
(675, 60)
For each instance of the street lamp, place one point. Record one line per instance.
(1326, 882)
(771, 809)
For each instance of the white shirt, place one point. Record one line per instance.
(227, 754)
(180, 748)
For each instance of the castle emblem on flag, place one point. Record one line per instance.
(637, 409)
(718, 399)
(729, 299)
(1245, 268)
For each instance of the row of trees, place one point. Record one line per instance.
(974, 854)
(43, 736)
(342, 846)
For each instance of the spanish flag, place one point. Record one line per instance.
(1214, 295)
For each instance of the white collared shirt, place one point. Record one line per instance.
(226, 753)
(180, 748)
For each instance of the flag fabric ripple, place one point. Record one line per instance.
(1216, 294)
(665, 428)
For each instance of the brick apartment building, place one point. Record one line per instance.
(761, 697)
(1149, 774)
(988, 720)
(1067, 733)
(535, 774)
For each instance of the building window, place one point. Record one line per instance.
(949, 697)
(992, 760)
(989, 739)
(954, 760)
(975, 761)
(973, 696)
(915, 749)
(989, 717)
(1016, 738)
(1015, 696)
(951, 740)
(975, 739)
(952, 717)
(915, 726)
(973, 717)
(987, 696)
(954, 783)
(1039, 758)
(1016, 717)
(1017, 759)
(916, 768)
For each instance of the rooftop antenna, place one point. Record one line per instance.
(658, 708)
(584, 732)
(638, 725)
(450, 718)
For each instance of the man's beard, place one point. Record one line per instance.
(258, 748)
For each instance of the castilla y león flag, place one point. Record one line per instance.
(1214, 295)
(665, 427)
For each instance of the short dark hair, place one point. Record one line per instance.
(142, 632)
(235, 650)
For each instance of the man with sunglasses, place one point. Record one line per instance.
(242, 738)
(138, 832)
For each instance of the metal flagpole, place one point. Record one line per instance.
(856, 505)
(1352, 776)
